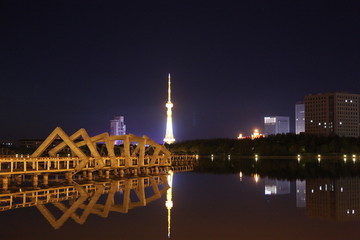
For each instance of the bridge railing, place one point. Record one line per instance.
(29, 165)
(68, 164)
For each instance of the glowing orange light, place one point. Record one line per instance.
(256, 177)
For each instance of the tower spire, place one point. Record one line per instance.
(169, 137)
(169, 88)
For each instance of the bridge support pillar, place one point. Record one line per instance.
(18, 179)
(90, 176)
(46, 179)
(5, 183)
(68, 176)
(35, 180)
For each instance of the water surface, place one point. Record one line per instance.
(210, 206)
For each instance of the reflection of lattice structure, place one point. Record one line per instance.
(86, 197)
(139, 150)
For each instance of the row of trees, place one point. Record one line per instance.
(274, 145)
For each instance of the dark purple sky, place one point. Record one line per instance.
(78, 64)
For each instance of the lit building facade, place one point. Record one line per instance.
(276, 125)
(299, 117)
(117, 127)
(332, 114)
(254, 135)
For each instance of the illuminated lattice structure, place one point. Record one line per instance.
(169, 136)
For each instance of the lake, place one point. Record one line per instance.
(242, 205)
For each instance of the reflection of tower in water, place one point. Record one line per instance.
(169, 202)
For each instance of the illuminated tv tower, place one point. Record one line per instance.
(169, 137)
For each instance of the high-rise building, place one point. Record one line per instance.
(299, 117)
(332, 114)
(117, 127)
(169, 137)
(276, 125)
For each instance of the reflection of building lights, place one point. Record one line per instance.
(354, 158)
(256, 157)
(319, 157)
(256, 177)
(197, 157)
(298, 157)
(345, 158)
(240, 175)
(229, 157)
(212, 157)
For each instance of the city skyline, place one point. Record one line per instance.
(76, 64)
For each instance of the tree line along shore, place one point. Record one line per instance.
(273, 145)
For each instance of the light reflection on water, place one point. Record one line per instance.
(199, 206)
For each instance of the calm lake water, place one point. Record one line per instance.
(200, 206)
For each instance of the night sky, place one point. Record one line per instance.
(77, 64)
